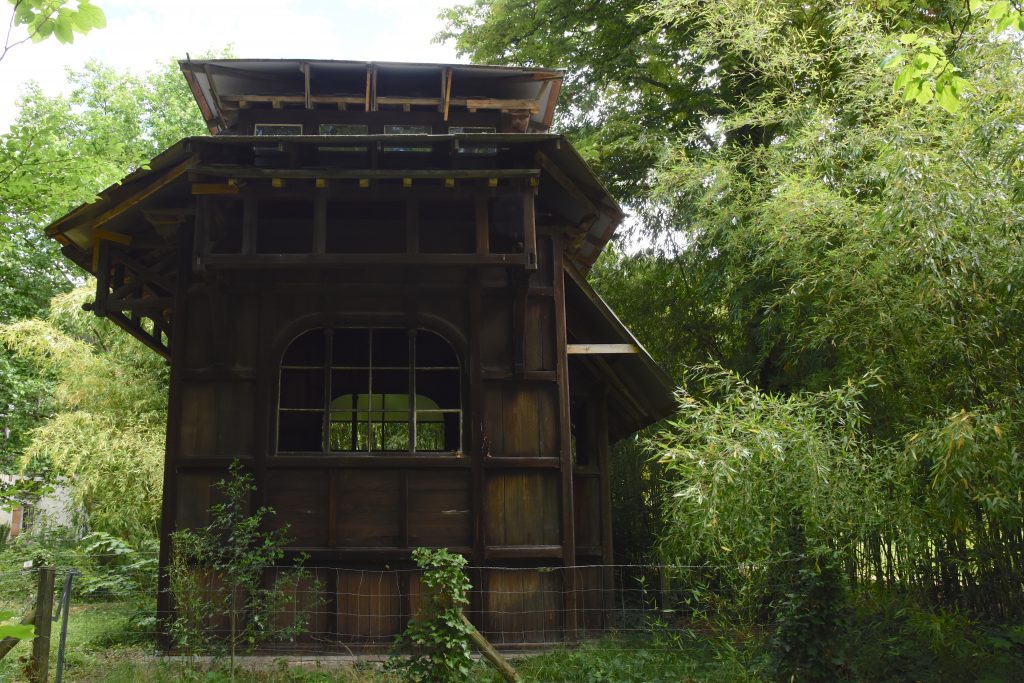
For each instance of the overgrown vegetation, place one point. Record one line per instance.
(832, 271)
(828, 261)
(437, 638)
(217, 577)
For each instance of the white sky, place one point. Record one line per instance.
(142, 33)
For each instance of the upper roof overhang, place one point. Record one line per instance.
(567, 188)
(222, 87)
(639, 392)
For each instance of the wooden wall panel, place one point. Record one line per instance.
(195, 495)
(439, 509)
(222, 329)
(523, 509)
(587, 511)
(198, 331)
(367, 504)
(495, 332)
(300, 500)
(310, 605)
(592, 588)
(208, 408)
(369, 605)
(545, 262)
(539, 353)
(522, 606)
(521, 420)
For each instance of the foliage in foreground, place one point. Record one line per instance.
(218, 574)
(437, 635)
(108, 427)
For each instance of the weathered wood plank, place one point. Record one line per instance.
(572, 349)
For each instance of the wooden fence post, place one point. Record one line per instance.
(39, 666)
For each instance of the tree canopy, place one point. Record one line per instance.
(807, 215)
(77, 398)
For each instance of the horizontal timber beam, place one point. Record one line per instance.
(357, 174)
(574, 349)
(243, 261)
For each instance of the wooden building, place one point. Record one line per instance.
(370, 284)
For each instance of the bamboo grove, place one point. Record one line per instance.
(831, 269)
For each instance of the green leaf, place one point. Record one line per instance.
(903, 79)
(909, 38)
(18, 631)
(90, 17)
(999, 10)
(63, 28)
(947, 99)
(893, 61)
(23, 14)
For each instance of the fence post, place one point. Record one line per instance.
(39, 665)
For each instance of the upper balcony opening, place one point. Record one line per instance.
(249, 97)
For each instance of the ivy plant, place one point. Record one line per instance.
(437, 637)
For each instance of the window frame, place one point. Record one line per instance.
(328, 368)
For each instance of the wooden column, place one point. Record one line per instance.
(564, 442)
(604, 463)
(39, 665)
(476, 448)
(164, 604)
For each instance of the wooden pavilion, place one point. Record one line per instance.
(370, 284)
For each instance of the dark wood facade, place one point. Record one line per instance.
(393, 332)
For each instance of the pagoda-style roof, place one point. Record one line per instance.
(143, 205)
(225, 87)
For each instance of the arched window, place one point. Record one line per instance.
(346, 390)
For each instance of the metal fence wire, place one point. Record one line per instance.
(332, 613)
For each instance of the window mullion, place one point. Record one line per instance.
(412, 391)
(325, 445)
(369, 398)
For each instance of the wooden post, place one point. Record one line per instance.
(564, 447)
(493, 656)
(39, 666)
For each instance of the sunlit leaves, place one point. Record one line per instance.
(108, 430)
(58, 18)
(14, 630)
(1006, 15)
(926, 73)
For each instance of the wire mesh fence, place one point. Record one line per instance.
(331, 616)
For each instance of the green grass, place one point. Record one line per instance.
(105, 644)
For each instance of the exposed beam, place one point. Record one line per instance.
(152, 276)
(354, 174)
(492, 103)
(306, 84)
(136, 331)
(602, 348)
(447, 93)
(136, 198)
(309, 260)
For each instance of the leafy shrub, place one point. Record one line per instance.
(114, 568)
(437, 635)
(217, 574)
(806, 645)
